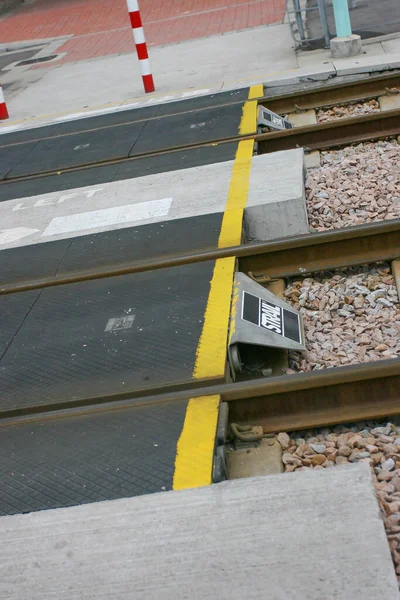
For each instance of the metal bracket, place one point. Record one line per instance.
(267, 118)
(260, 318)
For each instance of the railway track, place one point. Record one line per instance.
(319, 136)
(277, 259)
(284, 402)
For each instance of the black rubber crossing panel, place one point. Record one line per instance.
(110, 249)
(189, 128)
(122, 117)
(31, 262)
(78, 149)
(201, 102)
(117, 335)
(68, 461)
(173, 161)
(11, 190)
(78, 125)
(11, 156)
(155, 241)
(13, 314)
(129, 169)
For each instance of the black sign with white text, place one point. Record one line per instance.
(271, 316)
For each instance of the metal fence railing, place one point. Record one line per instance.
(312, 22)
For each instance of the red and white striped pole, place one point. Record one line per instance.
(3, 106)
(141, 46)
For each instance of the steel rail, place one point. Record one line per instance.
(335, 395)
(342, 132)
(330, 94)
(326, 95)
(282, 257)
(287, 402)
(312, 137)
(111, 125)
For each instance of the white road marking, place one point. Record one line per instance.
(81, 146)
(50, 200)
(108, 216)
(9, 236)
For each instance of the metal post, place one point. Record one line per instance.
(324, 22)
(299, 20)
(342, 18)
(345, 44)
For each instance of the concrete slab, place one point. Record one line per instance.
(314, 57)
(391, 45)
(204, 64)
(367, 64)
(318, 72)
(389, 102)
(265, 459)
(303, 118)
(276, 205)
(311, 534)
(312, 159)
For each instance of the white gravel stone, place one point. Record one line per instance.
(342, 443)
(354, 185)
(341, 111)
(343, 321)
(318, 448)
(388, 465)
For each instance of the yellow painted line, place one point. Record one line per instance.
(195, 449)
(256, 91)
(211, 349)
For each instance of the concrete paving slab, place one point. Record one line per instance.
(392, 45)
(313, 57)
(265, 459)
(303, 118)
(367, 64)
(312, 534)
(389, 102)
(317, 72)
(210, 64)
(275, 202)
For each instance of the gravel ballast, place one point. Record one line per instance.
(354, 185)
(376, 443)
(343, 111)
(350, 316)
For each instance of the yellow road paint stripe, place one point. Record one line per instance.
(248, 123)
(211, 349)
(256, 91)
(195, 449)
(193, 462)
